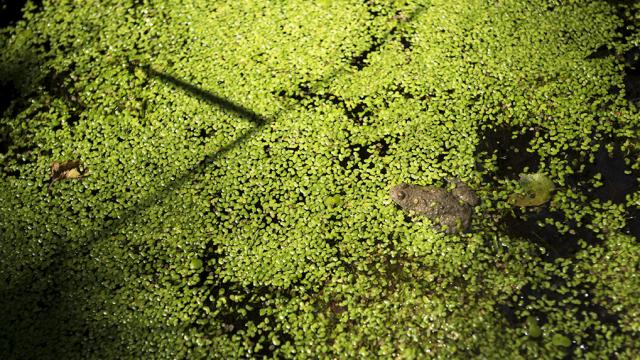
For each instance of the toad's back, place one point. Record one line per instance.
(447, 210)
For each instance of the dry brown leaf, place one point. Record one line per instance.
(71, 169)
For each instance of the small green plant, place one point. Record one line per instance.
(534, 190)
(241, 156)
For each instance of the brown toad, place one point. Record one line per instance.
(449, 210)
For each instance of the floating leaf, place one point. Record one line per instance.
(535, 190)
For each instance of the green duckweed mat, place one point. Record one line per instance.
(233, 161)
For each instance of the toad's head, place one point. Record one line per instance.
(400, 194)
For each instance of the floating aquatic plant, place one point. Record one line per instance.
(241, 208)
(534, 190)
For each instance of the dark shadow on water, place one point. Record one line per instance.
(530, 226)
(617, 177)
(627, 12)
(311, 93)
(510, 146)
(209, 97)
(359, 60)
(11, 11)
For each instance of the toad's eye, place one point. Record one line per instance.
(401, 195)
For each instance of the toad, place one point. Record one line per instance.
(449, 210)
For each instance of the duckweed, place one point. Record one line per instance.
(241, 156)
(534, 328)
(560, 341)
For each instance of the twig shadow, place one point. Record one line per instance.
(209, 97)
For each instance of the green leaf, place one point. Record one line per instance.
(534, 190)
